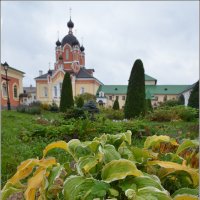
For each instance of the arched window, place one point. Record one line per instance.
(55, 91)
(45, 91)
(15, 91)
(67, 54)
(82, 90)
(4, 90)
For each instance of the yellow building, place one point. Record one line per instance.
(70, 57)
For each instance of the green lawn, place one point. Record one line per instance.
(19, 143)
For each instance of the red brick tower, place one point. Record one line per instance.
(69, 54)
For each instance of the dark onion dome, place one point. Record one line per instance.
(69, 39)
(70, 24)
(82, 48)
(50, 72)
(58, 43)
(75, 42)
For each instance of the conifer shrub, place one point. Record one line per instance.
(135, 101)
(66, 100)
(194, 97)
(149, 107)
(80, 102)
(181, 100)
(116, 105)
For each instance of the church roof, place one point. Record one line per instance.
(83, 73)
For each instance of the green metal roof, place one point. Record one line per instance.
(166, 89)
(151, 90)
(149, 78)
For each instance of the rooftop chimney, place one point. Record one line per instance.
(40, 72)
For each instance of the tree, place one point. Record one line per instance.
(135, 101)
(149, 107)
(181, 100)
(116, 105)
(194, 97)
(79, 102)
(66, 100)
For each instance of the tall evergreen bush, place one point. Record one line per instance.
(181, 100)
(66, 100)
(135, 101)
(194, 97)
(116, 105)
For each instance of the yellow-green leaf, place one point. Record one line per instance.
(185, 197)
(119, 169)
(53, 145)
(187, 144)
(177, 167)
(152, 140)
(34, 183)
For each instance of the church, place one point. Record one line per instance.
(70, 57)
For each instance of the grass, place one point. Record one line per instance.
(16, 126)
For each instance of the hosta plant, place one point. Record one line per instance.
(107, 168)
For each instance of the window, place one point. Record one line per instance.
(82, 90)
(60, 85)
(110, 97)
(35, 97)
(101, 94)
(45, 91)
(15, 91)
(123, 98)
(55, 91)
(165, 98)
(67, 54)
(117, 97)
(4, 89)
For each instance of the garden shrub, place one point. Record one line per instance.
(170, 103)
(114, 114)
(53, 107)
(162, 115)
(29, 109)
(76, 113)
(165, 114)
(45, 106)
(35, 103)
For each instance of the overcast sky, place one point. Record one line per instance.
(163, 34)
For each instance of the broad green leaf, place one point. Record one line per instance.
(72, 145)
(152, 140)
(146, 181)
(53, 145)
(86, 163)
(141, 155)
(93, 145)
(113, 192)
(172, 167)
(148, 193)
(186, 191)
(187, 144)
(171, 157)
(77, 187)
(125, 152)
(109, 153)
(119, 169)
